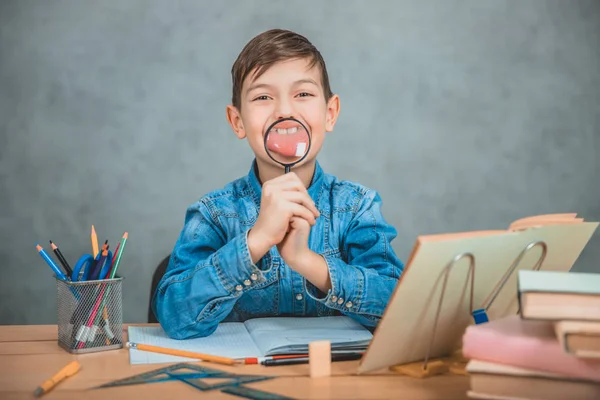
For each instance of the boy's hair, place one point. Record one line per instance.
(269, 48)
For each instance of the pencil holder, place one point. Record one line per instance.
(90, 315)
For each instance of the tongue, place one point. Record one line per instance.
(291, 145)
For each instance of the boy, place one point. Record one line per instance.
(273, 244)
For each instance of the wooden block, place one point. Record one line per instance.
(458, 356)
(416, 370)
(458, 368)
(458, 363)
(319, 358)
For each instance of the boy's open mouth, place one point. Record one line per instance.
(288, 139)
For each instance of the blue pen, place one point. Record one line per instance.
(51, 263)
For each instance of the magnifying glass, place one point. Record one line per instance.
(287, 142)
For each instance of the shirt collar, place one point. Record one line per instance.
(313, 189)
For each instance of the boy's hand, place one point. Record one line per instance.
(294, 247)
(295, 252)
(282, 199)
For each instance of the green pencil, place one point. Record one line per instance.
(119, 254)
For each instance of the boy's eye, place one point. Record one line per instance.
(262, 98)
(304, 94)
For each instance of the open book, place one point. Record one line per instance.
(449, 275)
(256, 337)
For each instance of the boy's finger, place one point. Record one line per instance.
(302, 212)
(297, 222)
(303, 199)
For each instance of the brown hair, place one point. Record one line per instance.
(269, 48)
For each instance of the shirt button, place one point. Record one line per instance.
(238, 287)
(340, 301)
(349, 304)
(254, 277)
(247, 282)
(299, 296)
(334, 298)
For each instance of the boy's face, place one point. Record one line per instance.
(286, 89)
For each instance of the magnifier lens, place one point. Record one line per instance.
(287, 142)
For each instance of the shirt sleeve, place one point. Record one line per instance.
(206, 275)
(363, 278)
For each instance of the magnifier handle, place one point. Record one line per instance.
(287, 169)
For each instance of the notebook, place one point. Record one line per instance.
(526, 344)
(559, 295)
(580, 338)
(256, 337)
(498, 381)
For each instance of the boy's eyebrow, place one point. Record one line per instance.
(267, 86)
(306, 80)
(258, 86)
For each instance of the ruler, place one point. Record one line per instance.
(232, 380)
(253, 394)
(165, 374)
(194, 375)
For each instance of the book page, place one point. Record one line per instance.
(288, 335)
(546, 219)
(458, 235)
(231, 339)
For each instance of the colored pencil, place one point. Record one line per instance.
(50, 262)
(305, 360)
(95, 315)
(112, 262)
(61, 258)
(94, 239)
(69, 370)
(183, 353)
(113, 271)
(258, 360)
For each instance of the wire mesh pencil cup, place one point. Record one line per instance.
(90, 315)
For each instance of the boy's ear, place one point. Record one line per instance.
(235, 120)
(333, 110)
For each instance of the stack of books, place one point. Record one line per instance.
(550, 350)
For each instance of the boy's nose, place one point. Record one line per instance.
(284, 110)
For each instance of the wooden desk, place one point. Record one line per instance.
(29, 354)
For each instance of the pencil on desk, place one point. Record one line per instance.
(183, 353)
(305, 360)
(258, 360)
(69, 370)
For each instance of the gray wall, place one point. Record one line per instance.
(463, 114)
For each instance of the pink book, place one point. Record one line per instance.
(526, 344)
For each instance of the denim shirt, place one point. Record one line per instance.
(211, 278)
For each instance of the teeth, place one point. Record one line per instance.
(286, 131)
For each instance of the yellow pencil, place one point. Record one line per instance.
(94, 243)
(183, 353)
(69, 370)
